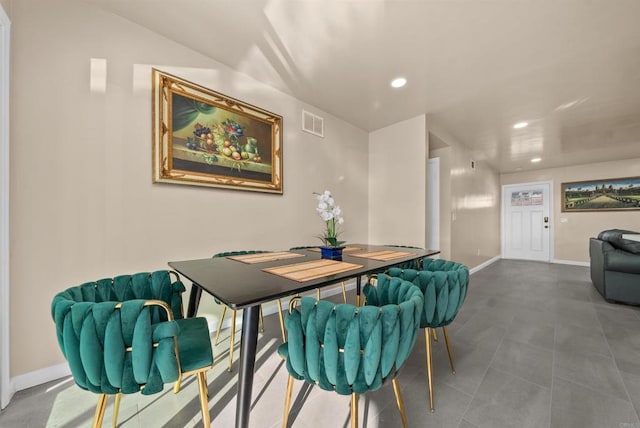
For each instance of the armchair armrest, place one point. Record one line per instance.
(622, 261)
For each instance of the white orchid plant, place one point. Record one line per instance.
(331, 214)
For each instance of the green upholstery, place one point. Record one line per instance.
(119, 335)
(444, 285)
(349, 349)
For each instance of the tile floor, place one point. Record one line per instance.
(534, 345)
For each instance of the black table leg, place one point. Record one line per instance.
(194, 300)
(247, 363)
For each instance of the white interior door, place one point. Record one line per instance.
(526, 225)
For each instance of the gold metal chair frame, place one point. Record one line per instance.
(201, 373)
(428, 333)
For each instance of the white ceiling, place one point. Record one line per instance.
(571, 68)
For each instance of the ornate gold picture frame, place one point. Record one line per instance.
(202, 137)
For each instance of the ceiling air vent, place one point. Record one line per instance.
(312, 124)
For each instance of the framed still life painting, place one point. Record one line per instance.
(202, 137)
(611, 194)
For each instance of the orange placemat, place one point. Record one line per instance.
(306, 271)
(345, 250)
(383, 255)
(265, 257)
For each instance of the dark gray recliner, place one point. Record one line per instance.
(615, 266)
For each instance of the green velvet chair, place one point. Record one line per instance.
(344, 289)
(234, 313)
(127, 335)
(352, 350)
(444, 284)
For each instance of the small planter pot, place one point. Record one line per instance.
(333, 253)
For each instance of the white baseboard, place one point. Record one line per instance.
(41, 376)
(484, 265)
(570, 262)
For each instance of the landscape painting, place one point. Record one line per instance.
(602, 195)
(202, 137)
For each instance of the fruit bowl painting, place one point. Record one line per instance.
(204, 138)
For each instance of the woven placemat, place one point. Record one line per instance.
(265, 257)
(306, 271)
(383, 255)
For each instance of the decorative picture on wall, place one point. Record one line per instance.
(615, 194)
(204, 138)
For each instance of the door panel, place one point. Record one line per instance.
(536, 231)
(526, 209)
(516, 230)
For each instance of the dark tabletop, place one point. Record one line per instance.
(238, 284)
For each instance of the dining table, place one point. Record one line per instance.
(245, 282)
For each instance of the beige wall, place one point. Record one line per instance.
(573, 230)
(6, 5)
(82, 202)
(397, 183)
(469, 203)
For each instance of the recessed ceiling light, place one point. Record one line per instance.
(520, 125)
(398, 82)
(535, 160)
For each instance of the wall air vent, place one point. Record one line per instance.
(312, 124)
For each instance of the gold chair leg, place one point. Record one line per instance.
(116, 409)
(449, 351)
(204, 399)
(177, 385)
(287, 402)
(100, 408)
(261, 328)
(317, 294)
(281, 317)
(357, 300)
(233, 337)
(344, 292)
(435, 335)
(427, 339)
(354, 410)
(399, 402)
(224, 311)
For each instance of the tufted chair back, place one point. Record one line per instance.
(119, 336)
(444, 284)
(349, 349)
(94, 338)
(144, 285)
